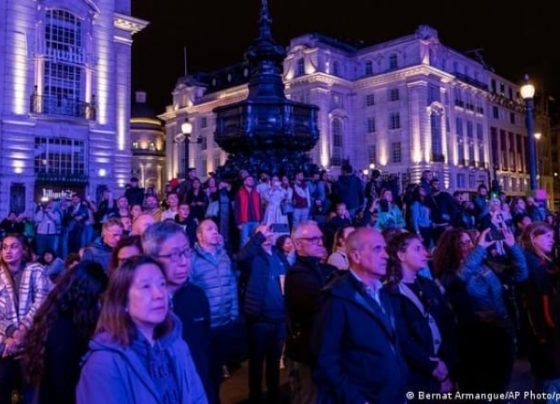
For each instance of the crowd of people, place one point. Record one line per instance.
(361, 291)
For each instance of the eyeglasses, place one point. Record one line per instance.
(177, 255)
(318, 240)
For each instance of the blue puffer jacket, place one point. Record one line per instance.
(214, 275)
(112, 374)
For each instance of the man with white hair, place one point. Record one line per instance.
(303, 285)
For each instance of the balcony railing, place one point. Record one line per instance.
(62, 106)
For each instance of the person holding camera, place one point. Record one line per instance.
(74, 218)
(486, 331)
(47, 221)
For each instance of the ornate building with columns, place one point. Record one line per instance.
(401, 106)
(64, 99)
(148, 144)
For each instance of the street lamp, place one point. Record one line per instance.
(527, 93)
(184, 137)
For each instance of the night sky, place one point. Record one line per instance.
(515, 41)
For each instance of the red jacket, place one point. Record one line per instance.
(242, 206)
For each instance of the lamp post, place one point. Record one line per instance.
(184, 137)
(527, 93)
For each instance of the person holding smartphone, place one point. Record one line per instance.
(389, 214)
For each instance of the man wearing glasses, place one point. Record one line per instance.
(167, 242)
(303, 285)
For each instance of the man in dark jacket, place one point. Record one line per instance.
(355, 340)
(264, 269)
(350, 190)
(101, 249)
(304, 282)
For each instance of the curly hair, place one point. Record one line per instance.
(399, 243)
(447, 254)
(75, 296)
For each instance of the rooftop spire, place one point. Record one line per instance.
(265, 22)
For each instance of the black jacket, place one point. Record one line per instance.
(356, 343)
(304, 282)
(191, 306)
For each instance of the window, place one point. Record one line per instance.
(371, 125)
(372, 153)
(470, 140)
(502, 88)
(493, 85)
(204, 163)
(461, 181)
(396, 152)
(495, 112)
(394, 120)
(494, 145)
(512, 118)
(300, 67)
(514, 184)
(203, 142)
(370, 100)
(480, 141)
(335, 68)
(393, 94)
(368, 69)
(216, 161)
(393, 62)
(503, 150)
(337, 142)
(135, 145)
(59, 155)
(64, 65)
(203, 122)
(433, 93)
(459, 126)
(435, 122)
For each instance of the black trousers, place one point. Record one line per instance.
(266, 339)
(220, 350)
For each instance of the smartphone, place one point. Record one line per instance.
(495, 234)
(280, 228)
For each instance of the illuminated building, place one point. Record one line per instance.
(401, 106)
(64, 99)
(148, 144)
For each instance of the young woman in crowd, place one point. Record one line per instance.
(197, 200)
(421, 216)
(54, 266)
(338, 257)
(424, 320)
(486, 343)
(23, 288)
(284, 243)
(137, 355)
(135, 211)
(542, 301)
(126, 248)
(60, 334)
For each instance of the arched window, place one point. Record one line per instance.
(300, 67)
(64, 66)
(337, 142)
(435, 123)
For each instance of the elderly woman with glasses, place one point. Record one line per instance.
(167, 243)
(137, 354)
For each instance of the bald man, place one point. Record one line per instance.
(354, 339)
(141, 223)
